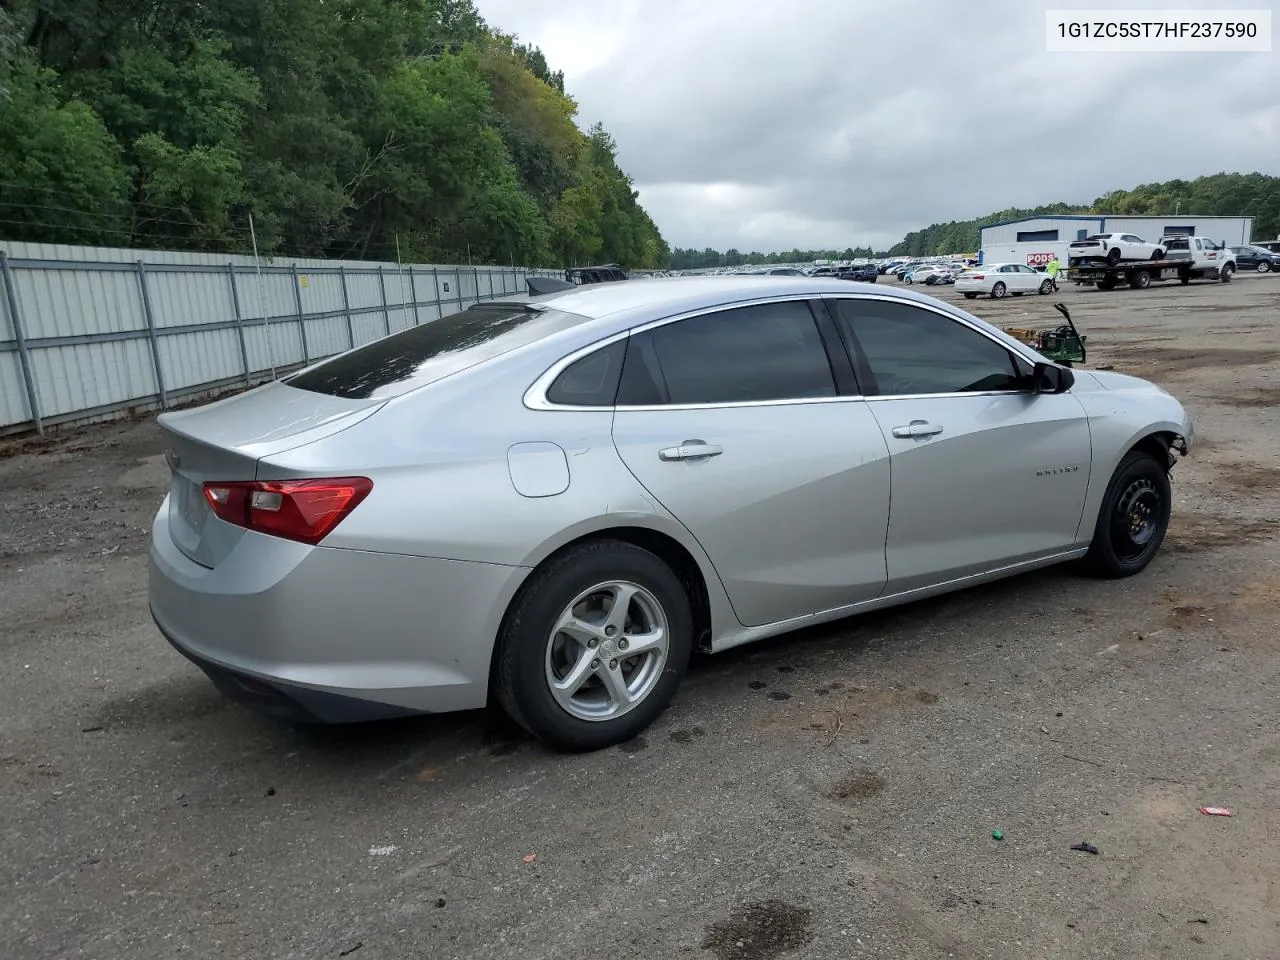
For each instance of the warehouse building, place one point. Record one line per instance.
(1035, 240)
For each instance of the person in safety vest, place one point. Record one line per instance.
(1053, 268)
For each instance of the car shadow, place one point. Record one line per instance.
(489, 733)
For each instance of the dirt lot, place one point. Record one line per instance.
(830, 794)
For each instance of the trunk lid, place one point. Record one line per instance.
(225, 441)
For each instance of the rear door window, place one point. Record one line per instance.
(750, 354)
(421, 355)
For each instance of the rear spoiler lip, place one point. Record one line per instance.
(539, 286)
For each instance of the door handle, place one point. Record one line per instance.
(690, 450)
(917, 429)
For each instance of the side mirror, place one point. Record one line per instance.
(1050, 378)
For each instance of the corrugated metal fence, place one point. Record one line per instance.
(90, 332)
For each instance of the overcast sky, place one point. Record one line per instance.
(837, 123)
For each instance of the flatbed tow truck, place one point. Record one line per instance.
(1186, 259)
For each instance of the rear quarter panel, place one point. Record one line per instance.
(443, 487)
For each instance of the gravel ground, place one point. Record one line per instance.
(828, 794)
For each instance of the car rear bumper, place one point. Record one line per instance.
(332, 635)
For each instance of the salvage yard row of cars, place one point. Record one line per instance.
(552, 500)
(1110, 259)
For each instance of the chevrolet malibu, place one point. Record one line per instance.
(552, 501)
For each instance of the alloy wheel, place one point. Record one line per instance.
(607, 650)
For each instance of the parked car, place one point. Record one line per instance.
(1114, 247)
(863, 274)
(922, 274)
(1000, 279)
(552, 501)
(607, 273)
(786, 272)
(905, 268)
(1256, 258)
(943, 277)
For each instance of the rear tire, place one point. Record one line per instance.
(1133, 518)
(1113, 256)
(582, 585)
(998, 291)
(1140, 280)
(970, 296)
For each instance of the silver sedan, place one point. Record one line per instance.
(552, 501)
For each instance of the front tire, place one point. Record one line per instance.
(1264, 266)
(1046, 288)
(1133, 518)
(594, 646)
(1226, 272)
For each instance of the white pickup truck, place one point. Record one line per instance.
(1208, 258)
(1113, 248)
(1181, 258)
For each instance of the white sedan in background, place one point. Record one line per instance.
(998, 280)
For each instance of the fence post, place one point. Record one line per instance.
(386, 314)
(235, 304)
(346, 305)
(302, 323)
(151, 334)
(435, 279)
(24, 358)
(475, 276)
(457, 279)
(413, 292)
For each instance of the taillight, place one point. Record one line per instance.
(302, 510)
(977, 276)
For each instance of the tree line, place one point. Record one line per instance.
(690, 259)
(1221, 194)
(1254, 195)
(365, 129)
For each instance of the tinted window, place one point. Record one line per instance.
(748, 354)
(1177, 243)
(1132, 239)
(421, 355)
(591, 381)
(908, 350)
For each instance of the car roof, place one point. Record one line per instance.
(613, 307)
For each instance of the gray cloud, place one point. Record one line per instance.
(840, 123)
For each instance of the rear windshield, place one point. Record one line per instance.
(1177, 243)
(415, 357)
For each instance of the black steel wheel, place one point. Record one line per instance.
(1133, 518)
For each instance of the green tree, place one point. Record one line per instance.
(345, 127)
(62, 177)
